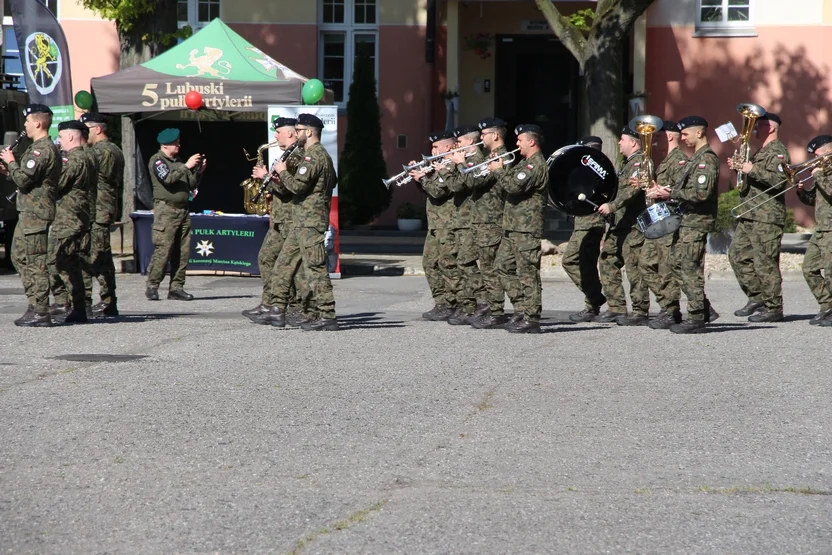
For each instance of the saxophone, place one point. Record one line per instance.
(252, 202)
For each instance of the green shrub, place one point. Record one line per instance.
(791, 225)
(409, 211)
(728, 200)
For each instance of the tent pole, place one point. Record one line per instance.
(128, 147)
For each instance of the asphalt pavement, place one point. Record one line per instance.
(180, 427)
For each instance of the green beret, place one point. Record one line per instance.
(168, 136)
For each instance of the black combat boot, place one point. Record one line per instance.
(481, 310)
(750, 308)
(608, 317)
(296, 318)
(688, 326)
(77, 316)
(274, 317)
(768, 315)
(461, 318)
(516, 317)
(58, 309)
(586, 315)
(712, 315)
(524, 325)
(29, 311)
(321, 324)
(633, 320)
(35, 320)
(259, 309)
(821, 316)
(665, 320)
(152, 294)
(179, 295)
(490, 321)
(439, 313)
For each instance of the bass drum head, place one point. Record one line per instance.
(577, 169)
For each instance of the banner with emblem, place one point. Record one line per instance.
(45, 58)
(329, 140)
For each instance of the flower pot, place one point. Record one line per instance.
(408, 224)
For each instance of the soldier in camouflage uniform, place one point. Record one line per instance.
(36, 177)
(471, 287)
(755, 248)
(487, 223)
(108, 202)
(439, 255)
(655, 255)
(697, 189)
(518, 257)
(72, 222)
(623, 241)
(281, 215)
(580, 258)
(817, 262)
(173, 182)
(311, 187)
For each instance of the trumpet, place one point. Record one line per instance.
(443, 154)
(404, 177)
(20, 137)
(481, 169)
(792, 172)
(750, 114)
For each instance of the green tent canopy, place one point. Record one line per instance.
(229, 73)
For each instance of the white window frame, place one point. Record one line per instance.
(349, 29)
(193, 14)
(724, 27)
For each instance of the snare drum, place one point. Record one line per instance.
(659, 219)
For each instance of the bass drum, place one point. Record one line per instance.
(577, 169)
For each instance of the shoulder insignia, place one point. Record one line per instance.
(302, 170)
(161, 169)
(307, 158)
(702, 179)
(470, 164)
(531, 167)
(65, 159)
(780, 167)
(637, 164)
(521, 176)
(36, 152)
(701, 166)
(780, 156)
(682, 162)
(30, 164)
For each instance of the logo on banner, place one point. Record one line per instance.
(44, 62)
(204, 64)
(204, 248)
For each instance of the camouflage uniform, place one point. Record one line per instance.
(697, 189)
(755, 247)
(107, 205)
(580, 258)
(311, 187)
(525, 186)
(172, 183)
(622, 245)
(439, 256)
(486, 224)
(85, 241)
(281, 216)
(471, 287)
(36, 176)
(71, 224)
(818, 255)
(655, 264)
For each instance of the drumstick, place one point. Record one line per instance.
(582, 198)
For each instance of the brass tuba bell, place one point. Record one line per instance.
(251, 186)
(750, 114)
(645, 126)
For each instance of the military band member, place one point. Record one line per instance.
(439, 255)
(755, 247)
(173, 182)
(36, 177)
(518, 257)
(580, 258)
(817, 262)
(697, 189)
(281, 215)
(311, 187)
(623, 241)
(655, 255)
(108, 202)
(486, 223)
(471, 288)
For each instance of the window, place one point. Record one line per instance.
(724, 17)
(346, 27)
(10, 63)
(51, 4)
(197, 13)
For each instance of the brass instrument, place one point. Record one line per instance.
(436, 156)
(20, 137)
(792, 172)
(646, 126)
(404, 177)
(288, 153)
(750, 114)
(481, 169)
(251, 186)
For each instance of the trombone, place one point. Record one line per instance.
(443, 154)
(792, 171)
(481, 169)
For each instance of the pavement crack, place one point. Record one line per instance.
(355, 518)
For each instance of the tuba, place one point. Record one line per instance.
(252, 202)
(750, 114)
(645, 126)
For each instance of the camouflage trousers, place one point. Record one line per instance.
(755, 257)
(622, 249)
(299, 295)
(171, 237)
(448, 268)
(97, 262)
(470, 285)
(688, 260)
(303, 247)
(29, 255)
(580, 262)
(657, 271)
(818, 258)
(487, 238)
(64, 264)
(433, 273)
(518, 264)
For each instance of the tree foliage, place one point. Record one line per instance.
(131, 15)
(361, 167)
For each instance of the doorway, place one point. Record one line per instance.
(537, 81)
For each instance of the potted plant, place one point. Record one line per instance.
(410, 217)
(451, 97)
(480, 43)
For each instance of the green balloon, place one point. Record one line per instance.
(83, 99)
(312, 91)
